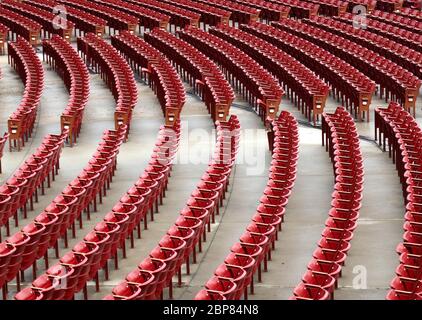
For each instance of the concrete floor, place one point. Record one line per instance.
(373, 247)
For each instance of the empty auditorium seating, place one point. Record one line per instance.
(67, 63)
(403, 36)
(23, 59)
(3, 141)
(116, 20)
(255, 245)
(397, 129)
(398, 21)
(342, 142)
(20, 25)
(209, 15)
(25, 183)
(303, 87)
(83, 21)
(257, 85)
(411, 13)
(402, 55)
(240, 13)
(189, 230)
(330, 7)
(157, 70)
(395, 82)
(202, 74)
(148, 18)
(179, 17)
(299, 9)
(348, 84)
(267, 11)
(43, 17)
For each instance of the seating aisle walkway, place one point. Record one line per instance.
(196, 144)
(248, 180)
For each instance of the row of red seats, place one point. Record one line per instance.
(24, 248)
(83, 21)
(403, 36)
(240, 13)
(115, 72)
(3, 141)
(397, 83)
(179, 17)
(209, 15)
(23, 58)
(148, 18)
(331, 7)
(25, 182)
(394, 19)
(402, 55)
(256, 84)
(16, 251)
(389, 5)
(116, 19)
(351, 86)
(268, 11)
(20, 25)
(67, 63)
(232, 278)
(342, 141)
(303, 87)
(156, 272)
(43, 17)
(94, 180)
(403, 134)
(4, 32)
(202, 74)
(82, 264)
(157, 70)
(299, 9)
(370, 5)
(415, 14)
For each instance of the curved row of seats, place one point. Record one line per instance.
(342, 141)
(20, 25)
(209, 15)
(398, 21)
(116, 73)
(232, 278)
(99, 245)
(402, 55)
(411, 13)
(92, 183)
(148, 18)
(82, 20)
(331, 7)
(299, 9)
(29, 178)
(256, 84)
(202, 74)
(403, 36)
(397, 83)
(157, 70)
(348, 84)
(303, 87)
(116, 19)
(268, 11)
(179, 17)
(403, 135)
(67, 63)
(156, 272)
(45, 18)
(23, 58)
(240, 13)
(26, 247)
